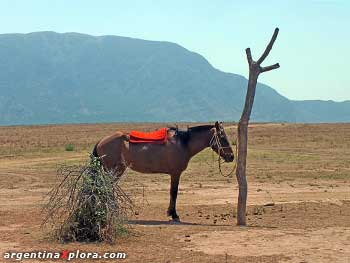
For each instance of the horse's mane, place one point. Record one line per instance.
(200, 128)
(184, 135)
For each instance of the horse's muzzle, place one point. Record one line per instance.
(229, 158)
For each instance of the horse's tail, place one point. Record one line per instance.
(94, 151)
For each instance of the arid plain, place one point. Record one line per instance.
(298, 199)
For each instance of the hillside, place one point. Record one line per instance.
(47, 77)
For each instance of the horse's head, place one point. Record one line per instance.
(220, 144)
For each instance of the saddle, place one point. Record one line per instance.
(157, 136)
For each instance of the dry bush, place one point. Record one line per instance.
(87, 205)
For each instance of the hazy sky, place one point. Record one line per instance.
(312, 47)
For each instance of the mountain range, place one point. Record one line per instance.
(48, 77)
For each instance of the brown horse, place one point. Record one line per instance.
(172, 157)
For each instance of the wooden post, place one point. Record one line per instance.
(255, 69)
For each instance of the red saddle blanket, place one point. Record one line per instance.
(158, 136)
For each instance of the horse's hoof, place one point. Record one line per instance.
(175, 220)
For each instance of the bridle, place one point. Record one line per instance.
(215, 141)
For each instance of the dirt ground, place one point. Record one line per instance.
(298, 201)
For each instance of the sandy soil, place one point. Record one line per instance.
(298, 205)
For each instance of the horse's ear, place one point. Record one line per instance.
(217, 125)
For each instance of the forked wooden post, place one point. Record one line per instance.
(255, 69)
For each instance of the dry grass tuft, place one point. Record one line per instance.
(87, 205)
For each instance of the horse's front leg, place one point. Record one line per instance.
(174, 185)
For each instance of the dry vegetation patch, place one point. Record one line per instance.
(304, 170)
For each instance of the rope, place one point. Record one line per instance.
(215, 140)
(234, 166)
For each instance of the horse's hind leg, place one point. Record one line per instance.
(119, 170)
(175, 178)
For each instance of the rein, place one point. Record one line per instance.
(216, 141)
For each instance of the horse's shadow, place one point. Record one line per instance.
(167, 223)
